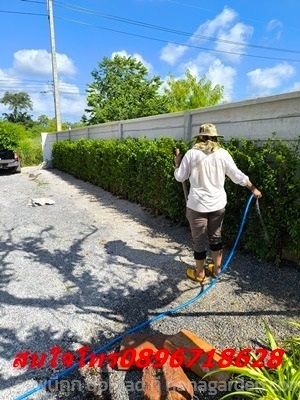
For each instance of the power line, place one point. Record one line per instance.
(49, 86)
(38, 82)
(34, 90)
(93, 12)
(34, 1)
(215, 11)
(40, 89)
(170, 30)
(190, 5)
(21, 12)
(176, 43)
(8, 79)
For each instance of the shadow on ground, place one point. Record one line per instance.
(122, 303)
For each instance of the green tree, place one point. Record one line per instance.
(122, 89)
(43, 121)
(11, 135)
(17, 102)
(190, 92)
(46, 124)
(84, 120)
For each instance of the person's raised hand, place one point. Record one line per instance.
(177, 158)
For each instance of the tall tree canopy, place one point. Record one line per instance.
(17, 102)
(122, 89)
(189, 92)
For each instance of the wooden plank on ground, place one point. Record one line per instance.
(139, 342)
(187, 340)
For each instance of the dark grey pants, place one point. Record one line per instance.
(205, 227)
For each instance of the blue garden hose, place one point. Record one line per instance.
(149, 321)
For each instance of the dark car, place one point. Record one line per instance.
(10, 160)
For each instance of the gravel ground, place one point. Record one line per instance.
(91, 266)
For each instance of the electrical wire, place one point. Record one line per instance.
(161, 28)
(36, 86)
(176, 43)
(139, 23)
(17, 85)
(12, 90)
(22, 12)
(38, 83)
(50, 91)
(34, 1)
(217, 11)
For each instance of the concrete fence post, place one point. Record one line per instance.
(187, 123)
(121, 133)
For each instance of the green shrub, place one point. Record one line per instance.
(136, 169)
(30, 151)
(10, 135)
(16, 137)
(142, 171)
(278, 380)
(274, 167)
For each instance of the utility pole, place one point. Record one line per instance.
(54, 67)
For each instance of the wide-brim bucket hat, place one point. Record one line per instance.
(208, 130)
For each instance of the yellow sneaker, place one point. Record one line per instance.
(210, 270)
(191, 273)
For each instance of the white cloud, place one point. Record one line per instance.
(270, 78)
(38, 63)
(222, 27)
(223, 75)
(72, 102)
(171, 53)
(225, 28)
(215, 71)
(71, 105)
(276, 26)
(294, 88)
(200, 64)
(138, 57)
(8, 82)
(238, 33)
(68, 88)
(222, 21)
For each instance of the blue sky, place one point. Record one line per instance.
(249, 47)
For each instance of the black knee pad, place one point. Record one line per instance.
(199, 255)
(216, 246)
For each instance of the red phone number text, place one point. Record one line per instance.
(257, 358)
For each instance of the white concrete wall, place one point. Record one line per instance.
(253, 119)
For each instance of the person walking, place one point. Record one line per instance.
(206, 165)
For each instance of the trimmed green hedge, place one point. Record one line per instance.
(142, 171)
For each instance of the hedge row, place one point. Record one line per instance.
(141, 171)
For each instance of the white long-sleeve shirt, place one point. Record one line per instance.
(206, 172)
